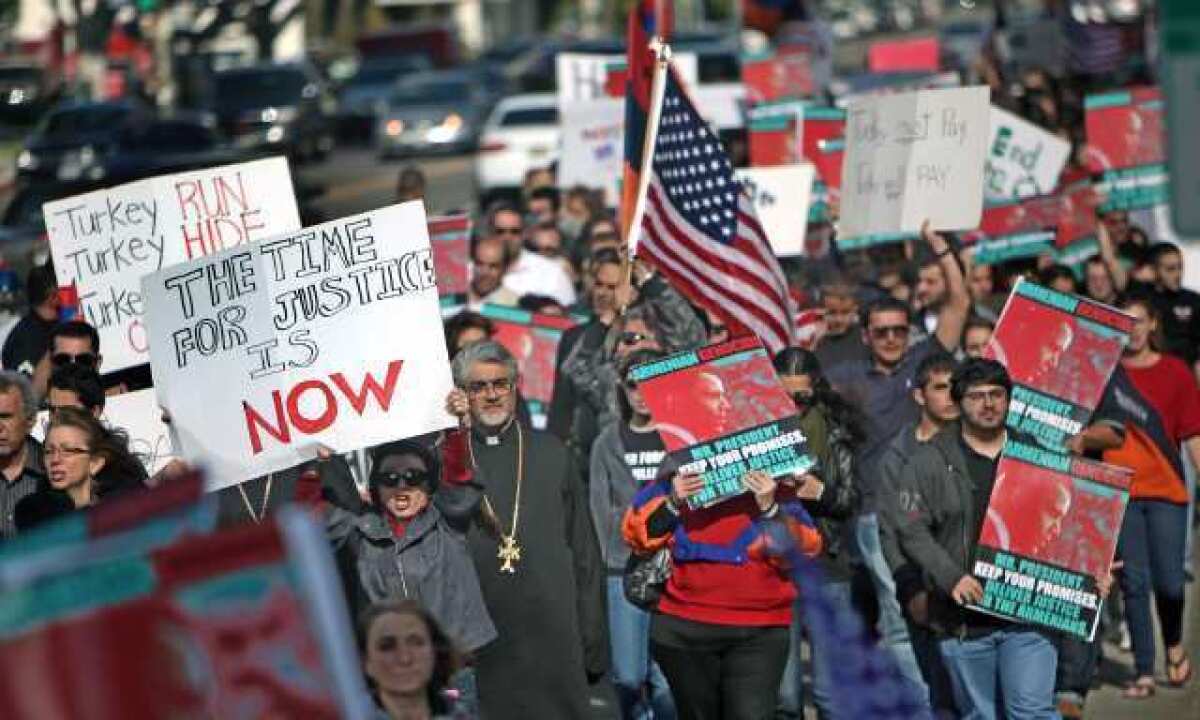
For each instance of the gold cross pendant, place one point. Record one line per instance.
(510, 553)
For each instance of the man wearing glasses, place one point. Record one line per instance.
(997, 668)
(71, 343)
(529, 273)
(531, 539)
(882, 386)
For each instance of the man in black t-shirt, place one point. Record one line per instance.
(1178, 307)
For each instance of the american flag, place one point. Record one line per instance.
(700, 230)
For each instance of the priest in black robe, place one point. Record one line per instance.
(534, 549)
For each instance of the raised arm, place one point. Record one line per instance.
(953, 316)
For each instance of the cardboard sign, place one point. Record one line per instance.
(914, 157)
(722, 412)
(533, 341)
(331, 335)
(593, 142)
(780, 196)
(1023, 160)
(1126, 146)
(904, 55)
(1060, 351)
(206, 625)
(103, 242)
(1048, 538)
(450, 240)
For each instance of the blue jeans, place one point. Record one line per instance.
(1004, 675)
(632, 668)
(791, 689)
(892, 629)
(1151, 544)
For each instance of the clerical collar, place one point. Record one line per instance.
(492, 439)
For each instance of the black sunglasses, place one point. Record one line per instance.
(63, 359)
(408, 478)
(632, 338)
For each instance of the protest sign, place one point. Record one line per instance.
(774, 133)
(592, 150)
(1125, 146)
(813, 39)
(1023, 160)
(104, 241)
(245, 621)
(722, 412)
(775, 75)
(903, 55)
(780, 196)
(593, 76)
(1060, 351)
(533, 340)
(1016, 229)
(914, 157)
(450, 240)
(720, 104)
(1048, 538)
(1180, 28)
(331, 335)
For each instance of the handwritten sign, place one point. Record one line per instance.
(593, 137)
(780, 196)
(913, 157)
(105, 241)
(589, 76)
(1023, 160)
(260, 352)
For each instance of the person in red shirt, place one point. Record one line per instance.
(720, 631)
(1162, 404)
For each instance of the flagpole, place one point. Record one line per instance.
(658, 89)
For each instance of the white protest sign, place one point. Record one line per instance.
(137, 415)
(330, 335)
(1023, 160)
(582, 76)
(781, 196)
(105, 241)
(912, 157)
(593, 146)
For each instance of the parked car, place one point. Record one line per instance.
(364, 95)
(23, 241)
(435, 112)
(521, 133)
(287, 108)
(75, 135)
(26, 91)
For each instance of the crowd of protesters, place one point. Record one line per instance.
(490, 564)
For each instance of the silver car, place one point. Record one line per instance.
(434, 112)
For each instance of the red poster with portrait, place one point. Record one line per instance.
(721, 412)
(777, 74)
(533, 340)
(1126, 142)
(1060, 351)
(450, 241)
(246, 622)
(1048, 538)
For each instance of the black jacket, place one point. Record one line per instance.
(935, 520)
(841, 499)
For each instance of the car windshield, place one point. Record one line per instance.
(19, 74)
(258, 89)
(426, 92)
(83, 120)
(386, 72)
(529, 116)
(163, 137)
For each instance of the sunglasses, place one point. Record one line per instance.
(507, 230)
(411, 478)
(632, 338)
(880, 333)
(63, 359)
